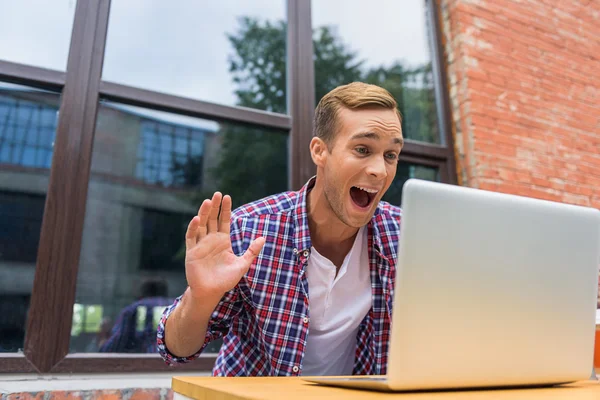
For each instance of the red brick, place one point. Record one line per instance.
(576, 199)
(476, 74)
(500, 149)
(508, 175)
(146, 394)
(590, 170)
(62, 395)
(108, 395)
(18, 396)
(530, 110)
(130, 394)
(478, 121)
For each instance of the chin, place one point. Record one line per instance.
(358, 221)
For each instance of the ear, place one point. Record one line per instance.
(318, 151)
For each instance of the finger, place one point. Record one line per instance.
(192, 233)
(214, 212)
(225, 215)
(203, 214)
(253, 251)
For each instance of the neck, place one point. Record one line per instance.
(329, 235)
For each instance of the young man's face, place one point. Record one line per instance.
(360, 163)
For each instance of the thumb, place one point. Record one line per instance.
(253, 250)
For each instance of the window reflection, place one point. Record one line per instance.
(230, 52)
(385, 44)
(28, 120)
(150, 172)
(20, 223)
(405, 172)
(36, 32)
(170, 155)
(26, 128)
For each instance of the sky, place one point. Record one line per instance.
(181, 48)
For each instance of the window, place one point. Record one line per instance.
(150, 172)
(170, 155)
(405, 172)
(36, 32)
(161, 246)
(27, 128)
(14, 318)
(386, 44)
(202, 103)
(20, 224)
(229, 52)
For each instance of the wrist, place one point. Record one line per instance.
(199, 298)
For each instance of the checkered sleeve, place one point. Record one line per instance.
(228, 308)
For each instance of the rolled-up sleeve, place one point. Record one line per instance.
(218, 326)
(229, 307)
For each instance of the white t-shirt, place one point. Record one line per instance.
(337, 307)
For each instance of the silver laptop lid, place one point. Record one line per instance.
(492, 289)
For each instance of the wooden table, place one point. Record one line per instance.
(208, 388)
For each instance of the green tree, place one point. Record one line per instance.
(253, 161)
(413, 90)
(335, 64)
(258, 64)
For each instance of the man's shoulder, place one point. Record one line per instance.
(276, 205)
(387, 223)
(388, 211)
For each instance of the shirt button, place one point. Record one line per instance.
(305, 253)
(295, 369)
(305, 319)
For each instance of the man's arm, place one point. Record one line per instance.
(229, 306)
(213, 271)
(185, 329)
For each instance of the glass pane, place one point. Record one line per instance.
(386, 44)
(230, 52)
(26, 146)
(150, 172)
(405, 172)
(36, 32)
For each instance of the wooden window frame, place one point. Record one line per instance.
(46, 348)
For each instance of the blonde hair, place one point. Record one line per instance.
(355, 95)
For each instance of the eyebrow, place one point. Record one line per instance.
(373, 135)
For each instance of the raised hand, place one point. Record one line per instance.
(211, 267)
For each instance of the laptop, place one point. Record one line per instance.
(492, 290)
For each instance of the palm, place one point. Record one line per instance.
(211, 267)
(211, 264)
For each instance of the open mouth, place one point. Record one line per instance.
(362, 197)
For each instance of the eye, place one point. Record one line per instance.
(391, 156)
(362, 150)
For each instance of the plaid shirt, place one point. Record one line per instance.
(263, 320)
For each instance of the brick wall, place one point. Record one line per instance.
(524, 80)
(125, 394)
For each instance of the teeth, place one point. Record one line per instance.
(367, 190)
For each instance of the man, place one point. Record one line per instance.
(126, 336)
(300, 283)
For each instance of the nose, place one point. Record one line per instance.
(376, 168)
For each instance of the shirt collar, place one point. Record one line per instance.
(302, 240)
(374, 226)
